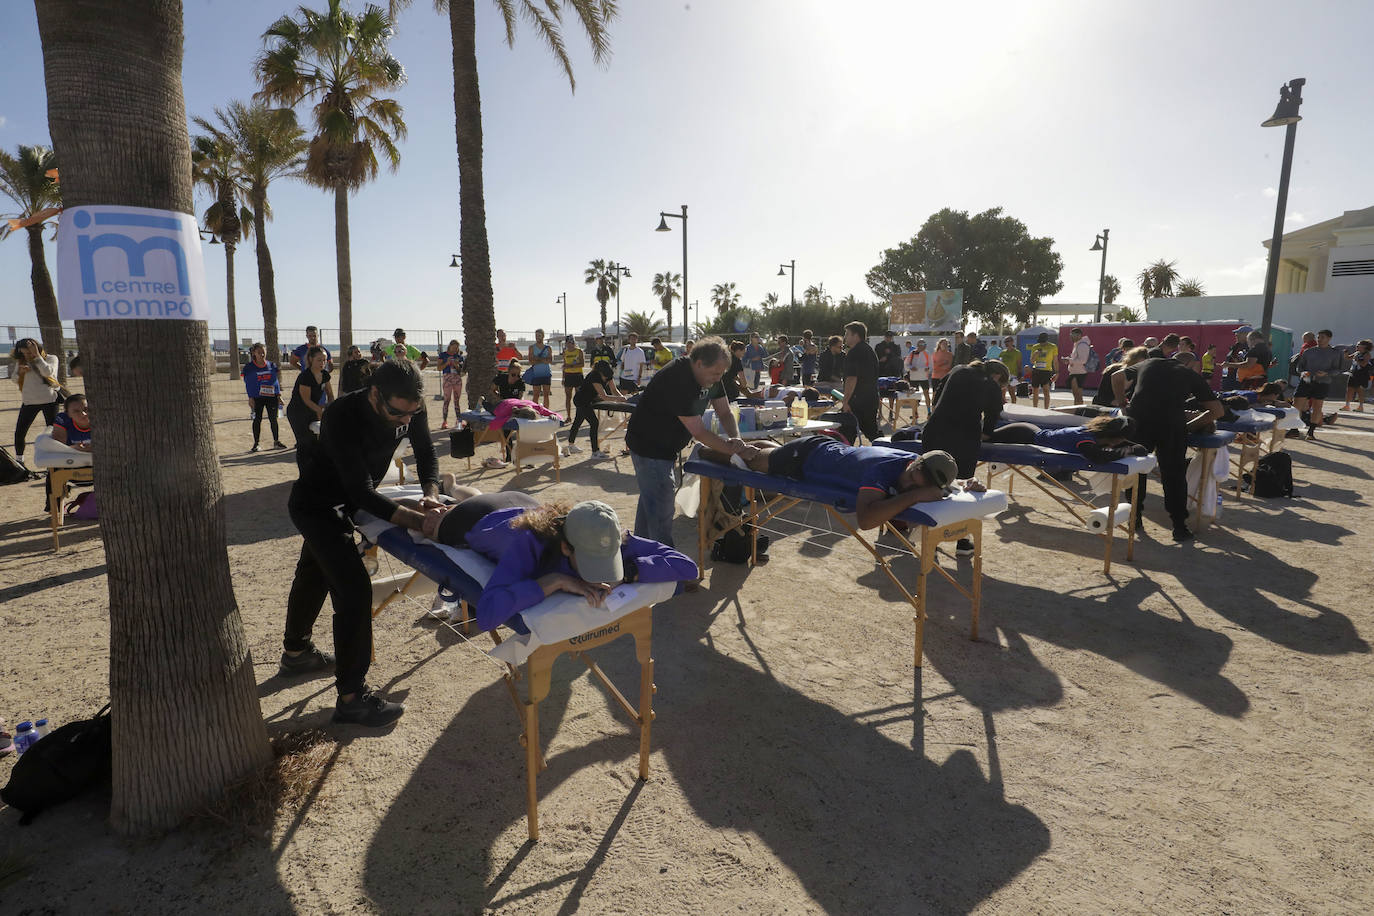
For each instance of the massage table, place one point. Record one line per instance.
(1038, 466)
(66, 467)
(610, 407)
(960, 516)
(1254, 425)
(560, 624)
(1206, 445)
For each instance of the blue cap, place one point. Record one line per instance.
(40, 723)
(1243, 329)
(23, 727)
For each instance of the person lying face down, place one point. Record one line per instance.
(889, 480)
(540, 549)
(1100, 440)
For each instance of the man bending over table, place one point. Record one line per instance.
(890, 480)
(358, 437)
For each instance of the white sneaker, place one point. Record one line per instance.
(440, 609)
(601, 456)
(575, 449)
(565, 452)
(494, 463)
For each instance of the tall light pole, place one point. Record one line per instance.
(696, 311)
(792, 306)
(663, 227)
(617, 269)
(1286, 114)
(564, 299)
(1100, 244)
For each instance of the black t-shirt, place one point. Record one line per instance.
(1162, 387)
(969, 405)
(355, 450)
(587, 393)
(306, 378)
(831, 366)
(1262, 354)
(355, 375)
(1106, 394)
(889, 357)
(862, 363)
(655, 430)
(732, 377)
(507, 389)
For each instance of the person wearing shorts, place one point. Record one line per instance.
(1361, 364)
(1044, 356)
(1078, 364)
(573, 361)
(918, 369)
(1317, 366)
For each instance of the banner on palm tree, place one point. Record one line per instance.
(130, 262)
(927, 311)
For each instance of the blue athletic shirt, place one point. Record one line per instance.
(872, 467)
(303, 349)
(75, 434)
(261, 382)
(1067, 439)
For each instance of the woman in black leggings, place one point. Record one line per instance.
(596, 387)
(36, 377)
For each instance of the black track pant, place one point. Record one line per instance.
(268, 404)
(27, 413)
(1169, 442)
(587, 413)
(330, 565)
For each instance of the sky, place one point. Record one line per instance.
(807, 129)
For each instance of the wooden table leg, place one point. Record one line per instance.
(532, 767)
(977, 600)
(1111, 524)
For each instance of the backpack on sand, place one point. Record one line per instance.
(11, 471)
(60, 766)
(1273, 476)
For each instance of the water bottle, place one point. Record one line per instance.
(40, 728)
(24, 737)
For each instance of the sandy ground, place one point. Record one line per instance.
(1191, 734)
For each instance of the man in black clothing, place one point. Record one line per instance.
(601, 352)
(861, 379)
(889, 354)
(1162, 388)
(1237, 355)
(831, 371)
(963, 349)
(358, 437)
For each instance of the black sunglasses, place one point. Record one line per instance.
(400, 413)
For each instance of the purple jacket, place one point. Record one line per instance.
(522, 557)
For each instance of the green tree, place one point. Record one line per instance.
(999, 265)
(268, 144)
(215, 167)
(1111, 289)
(341, 62)
(725, 298)
(545, 17)
(1125, 315)
(185, 712)
(645, 324)
(1191, 287)
(1156, 280)
(24, 179)
(666, 288)
(766, 304)
(607, 284)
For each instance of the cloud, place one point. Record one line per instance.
(2, 120)
(1251, 269)
(1296, 218)
(1269, 192)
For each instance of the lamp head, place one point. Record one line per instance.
(1286, 112)
(214, 240)
(662, 224)
(625, 271)
(454, 262)
(781, 273)
(1097, 244)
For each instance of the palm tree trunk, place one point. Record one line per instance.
(479, 311)
(45, 301)
(233, 315)
(267, 282)
(668, 307)
(185, 709)
(345, 271)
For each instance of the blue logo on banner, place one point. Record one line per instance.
(135, 252)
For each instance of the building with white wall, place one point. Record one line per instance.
(1325, 280)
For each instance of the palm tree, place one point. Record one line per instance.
(724, 297)
(665, 287)
(546, 18)
(1165, 277)
(646, 324)
(607, 284)
(816, 295)
(1191, 287)
(215, 167)
(25, 181)
(340, 61)
(187, 721)
(269, 144)
(767, 303)
(1111, 288)
(1126, 315)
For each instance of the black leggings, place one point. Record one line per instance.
(588, 413)
(26, 414)
(1015, 434)
(269, 404)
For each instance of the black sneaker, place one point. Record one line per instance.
(964, 547)
(367, 708)
(279, 444)
(308, 662)
(254, 448)
(1181, 533)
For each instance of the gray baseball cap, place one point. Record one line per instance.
(593, 531)
(939, 467)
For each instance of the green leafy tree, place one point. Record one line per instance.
(186, 721)
(24, 179)
(1111, 289)
(606, 283)
(999, 265)
(1191, 287)
(666, 287)
(645, 324)
(545, 17)
(268, 144)
(725, 298)
(766, 304)
(340, 62)
(1126, 315)
(215, 167)
(1156, 280)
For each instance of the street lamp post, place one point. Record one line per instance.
(696, 311)
(564, 299)
(1286, 114)
(617, 269)
(792, 303)
(1100, 244)
(663, 227)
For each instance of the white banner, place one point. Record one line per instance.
(130, 262)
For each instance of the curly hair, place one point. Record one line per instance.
(546, 520)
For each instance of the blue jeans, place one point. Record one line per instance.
(654, 516)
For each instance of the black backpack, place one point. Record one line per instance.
(1273, 476)
(11, 471)
(60, 766)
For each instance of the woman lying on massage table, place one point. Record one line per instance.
(1103, 439)
(540, 549)
(889, 480)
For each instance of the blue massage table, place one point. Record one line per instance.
(542, 634)
(939, 522)
(1038, 466)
